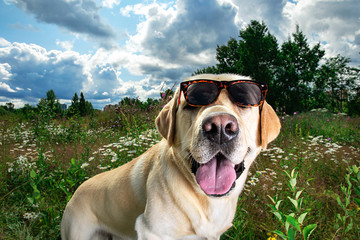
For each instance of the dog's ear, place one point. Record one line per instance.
(270, 125)
(165, 121)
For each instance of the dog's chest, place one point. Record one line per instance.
(217, 220)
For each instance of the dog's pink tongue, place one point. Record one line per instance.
(216, 176)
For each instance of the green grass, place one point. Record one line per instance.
(42, 164)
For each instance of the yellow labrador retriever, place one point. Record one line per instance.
(187, 186)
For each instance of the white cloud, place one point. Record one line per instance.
(67, 45)
(110, 3)
(6, 87)
(5, 71)
(176, 39)
(4, 43)
(76, 16)
(171, 41)
(33, 70)
(335, 24)
(18, 103)
(33, 67)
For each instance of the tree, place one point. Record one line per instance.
(228, 58)
(297, 81)
(10, 106)
(295, 76)
(50, 104)
(255, 55)
(338, 81)
(80, 107)
(207, 70)
(258, 51)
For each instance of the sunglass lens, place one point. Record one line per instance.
(247, 94)
(201, 93)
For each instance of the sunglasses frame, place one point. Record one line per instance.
(224, 85)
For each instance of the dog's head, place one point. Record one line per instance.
(218, 141)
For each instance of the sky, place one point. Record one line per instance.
(112, 49)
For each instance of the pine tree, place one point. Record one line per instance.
(82, 105)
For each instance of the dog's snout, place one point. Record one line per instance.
(220, 128)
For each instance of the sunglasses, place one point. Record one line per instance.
(204, 92)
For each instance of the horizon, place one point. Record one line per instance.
(113, 49)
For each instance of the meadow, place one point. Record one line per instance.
(308, 174)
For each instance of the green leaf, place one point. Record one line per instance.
(349, 226)
(278, 205)
(287, 174)
(272, 207)
(33, 185)
(293, 173)
(300, 203)
(31, 200)
(339, 202)
(292, 234)
(36, 194)
(293, 222)
(281, 234)
(287, 225)
(298, 194)
(278, 215)
(32, 174)
(293, 183)
(355, 169)
(347, 201)
(273, 201)
(302, 217)
(73, 162)
(357, 200)
(308, 230)
(294, 202)
(357, 191)
(339, 217)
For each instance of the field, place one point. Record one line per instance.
(43, 161)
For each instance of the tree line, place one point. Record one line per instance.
(52, 107)
(298, 75)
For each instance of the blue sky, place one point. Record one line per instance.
(112, 49)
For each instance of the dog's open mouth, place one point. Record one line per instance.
(217, 177)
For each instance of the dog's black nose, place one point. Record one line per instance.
(220, 128)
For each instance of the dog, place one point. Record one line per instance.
(186, 186)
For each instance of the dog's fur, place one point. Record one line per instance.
(156, 196)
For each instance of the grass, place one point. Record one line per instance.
(42, 164)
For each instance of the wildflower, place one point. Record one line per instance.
(103, 168)
(30, 216)
(84, 165)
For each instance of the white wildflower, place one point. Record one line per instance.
(84, 165)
